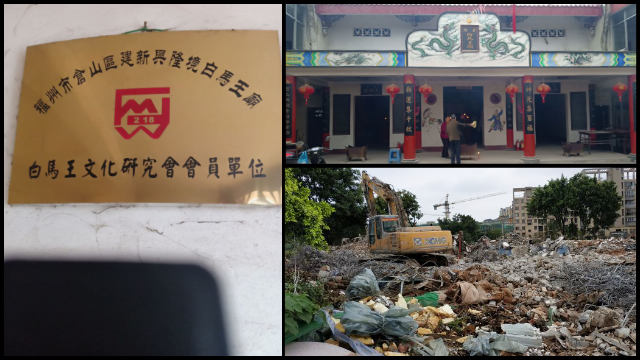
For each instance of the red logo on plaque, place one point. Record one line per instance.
(136, 109)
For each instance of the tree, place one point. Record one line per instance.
(304, 219)
(466, 223)
(605, 204)
(551, 200)
(409, 203)
(595, 203)
(581, 193)
(339, 187)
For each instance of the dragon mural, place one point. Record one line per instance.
(495, 47)
(440, 48)
(448, 46)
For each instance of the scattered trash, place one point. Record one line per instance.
(363, 285)
(357, 346)
(428, 299)
(397, 323)
(524, 334)
(438, 347)
(359, 319)
(577, 295)
(491, 344)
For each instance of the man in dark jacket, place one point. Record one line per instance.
(454, 138)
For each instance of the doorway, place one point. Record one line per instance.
(466, 99)
(551, 119)
(372, 121)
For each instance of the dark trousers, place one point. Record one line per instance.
(455, 151)
(445, 147)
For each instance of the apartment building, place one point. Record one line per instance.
(523, 224)
(625, 180)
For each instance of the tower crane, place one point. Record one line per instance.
(446, 202)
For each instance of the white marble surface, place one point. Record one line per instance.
(240, 244)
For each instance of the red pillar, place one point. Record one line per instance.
(409, 151)
(632, 114)
(290, 109)
(529, 129)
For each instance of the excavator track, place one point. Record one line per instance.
(420, 259)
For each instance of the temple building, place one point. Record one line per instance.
(387, 75)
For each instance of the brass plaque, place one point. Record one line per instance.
(178, 116)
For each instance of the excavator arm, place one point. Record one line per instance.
(386, 192)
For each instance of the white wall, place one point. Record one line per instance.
(340, 34)
(577, 37)
(241, 244)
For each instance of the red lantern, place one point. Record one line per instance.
(425, 90)
(543, 89)
(620, 88)
(392, 90)
(511, 90)
(306, 90)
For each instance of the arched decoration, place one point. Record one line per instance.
(466, 40)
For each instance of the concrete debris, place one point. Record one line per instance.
(549, 297)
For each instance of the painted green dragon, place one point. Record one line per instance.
(501, 47)
(492, 45)
(517, 54)
(350, 59)
(448, 47)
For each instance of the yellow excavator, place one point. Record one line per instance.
(393, 235)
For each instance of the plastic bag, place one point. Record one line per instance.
(477, 346)
(491, 344)
(438, 347)
(502, 343)
(363, 285)
(360, 320)
(397, 323)
(357, 346)
(428, 299)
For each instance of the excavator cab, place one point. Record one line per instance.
(381, 224)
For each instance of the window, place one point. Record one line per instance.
(624, 29)
(294, 26)
(390, 226)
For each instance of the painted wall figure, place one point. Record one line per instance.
(429, 122)
(497, 122)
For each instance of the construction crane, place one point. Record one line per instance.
(446, 202)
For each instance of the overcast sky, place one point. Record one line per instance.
(430, 185)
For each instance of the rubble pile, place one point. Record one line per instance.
(555, 297)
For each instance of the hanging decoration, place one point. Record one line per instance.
(306, 90)
(425, 90)
(620, 88)
(392, 90)
(511, 90)
(543, 89)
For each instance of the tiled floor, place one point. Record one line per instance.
(544, 155)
